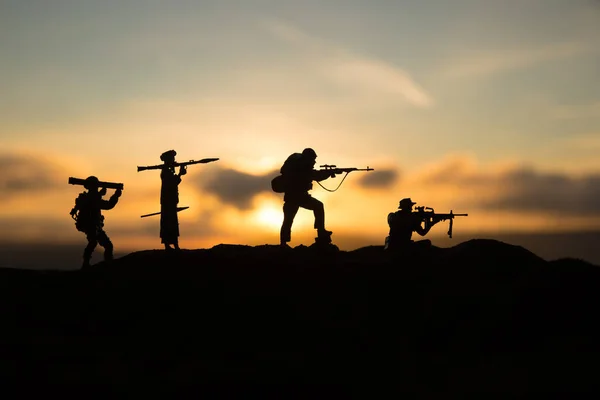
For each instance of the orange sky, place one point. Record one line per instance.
(488, 109)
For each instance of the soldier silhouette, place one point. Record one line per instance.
(169, 198)
(402, 225)
(87, 213)
(298, 173)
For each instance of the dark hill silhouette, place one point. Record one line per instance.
(482, 316)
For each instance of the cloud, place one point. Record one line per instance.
(493, 62)
(520, 188)
(234, 187)
(380, 179)
(529, 190)
(21, 174)
(366, 74)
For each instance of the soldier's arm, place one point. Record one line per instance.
(110, 203)
(423, 230)
(321, 175)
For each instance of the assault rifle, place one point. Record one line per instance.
(101, 184)
(427, 213)
(335, 170)
(158, 213)
(177, 164)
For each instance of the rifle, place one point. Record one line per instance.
(157, 213)
(101, 184)
(432, 216)
(335, 170)
(177, 164)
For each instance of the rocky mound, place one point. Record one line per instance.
(482, 316)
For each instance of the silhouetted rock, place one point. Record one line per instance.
(482, 316)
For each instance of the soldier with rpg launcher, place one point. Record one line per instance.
(88, 217)
(169, 195)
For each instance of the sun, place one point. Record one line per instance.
(269, 217)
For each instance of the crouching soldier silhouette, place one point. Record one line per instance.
(298, 173)
(402, 225)
(169, 198)
(88, 217)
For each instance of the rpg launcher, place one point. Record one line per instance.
(101, 184)
(428, 214)
(178, 164)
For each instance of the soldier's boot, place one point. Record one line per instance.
(284, 237)
(323, 236)
(87, 256)
(108, 252)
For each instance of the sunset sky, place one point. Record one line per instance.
(485, 107)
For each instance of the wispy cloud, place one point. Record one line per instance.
(487, 63)
(381, 179)
(234, 187)
(518, 188)
(22, 174)
(339, 65)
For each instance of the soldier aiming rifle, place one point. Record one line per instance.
(88, 217)
(404, 222)
(295, 180)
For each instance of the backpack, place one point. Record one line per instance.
(84, 221)
(279, 183)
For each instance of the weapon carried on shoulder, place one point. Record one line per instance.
(427, 213)
(335, 170)
(178, 164)
(100, 184)
(158, 213)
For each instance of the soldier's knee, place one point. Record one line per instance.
(317, 205)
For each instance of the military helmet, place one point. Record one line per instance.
(406, 203)
(308, 152)
(91, 182)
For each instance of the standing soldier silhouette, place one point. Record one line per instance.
(298, 174)
(169, 198)
(89, 219)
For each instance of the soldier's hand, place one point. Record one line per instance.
(102, 191)
(118, 192)
(182, 170)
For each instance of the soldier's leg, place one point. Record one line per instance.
(89, 249)
(104, 241)
(290, 209)
(310, 203)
